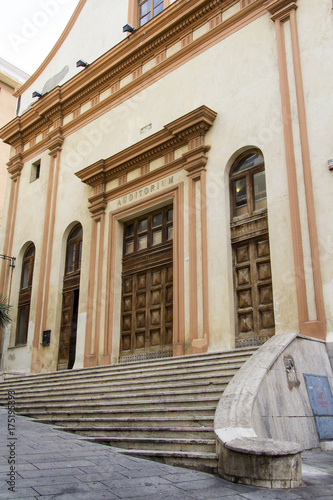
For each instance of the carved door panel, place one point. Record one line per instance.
(253, 291)
(160, 308)
(147, 288)
(66, 329)
(147, 313)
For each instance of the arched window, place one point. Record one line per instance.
(25, 295)
(254, 315)
(74, 250)
(248, 185)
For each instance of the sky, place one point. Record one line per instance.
(30, 28)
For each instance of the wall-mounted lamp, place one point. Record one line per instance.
(37, 94)
(81, 64)
(128, 28)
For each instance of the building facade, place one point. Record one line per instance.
(169, 185)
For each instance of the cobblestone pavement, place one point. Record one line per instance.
(51, 464)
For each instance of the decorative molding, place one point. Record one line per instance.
(176, 134)
(283, 11)
(280, 9)
(15, 166)
(189, 129)
(55, 143)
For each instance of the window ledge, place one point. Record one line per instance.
(10, 348)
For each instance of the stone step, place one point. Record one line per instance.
(129, 422)
(114, 398)
(186, 412)
(214, 375)
(124, 392)
(133, 432)
(161, 444)
(205, 462)
(28, 408)
(110, 389)
(152, 366)
(159, 409)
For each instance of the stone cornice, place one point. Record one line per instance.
(174, 135)
(280, 9)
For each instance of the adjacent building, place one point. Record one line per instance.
(10, 79)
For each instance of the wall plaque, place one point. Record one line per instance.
(321, 401)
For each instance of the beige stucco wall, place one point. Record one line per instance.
(238, 78)
(315, 30)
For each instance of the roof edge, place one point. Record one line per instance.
(55, 49)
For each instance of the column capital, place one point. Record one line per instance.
(280, 9)
(15, 166)
(196, 160)
(55, 143)
(98, 204)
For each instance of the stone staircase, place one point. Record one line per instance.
(162, 409)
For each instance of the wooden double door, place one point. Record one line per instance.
(147, 287)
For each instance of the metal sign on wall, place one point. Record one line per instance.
(321, 401)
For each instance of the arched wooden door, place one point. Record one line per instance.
(254, 314)
(147, 287)
(70, 300)
(25, 296)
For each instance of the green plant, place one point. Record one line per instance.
(4, 311)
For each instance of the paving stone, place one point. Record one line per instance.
(36, 458)
(315, 491)
(264, 494)
(48, 481)
(137, 482)
(213, 492)
(102, 495)
(18, 494)
(183, 476)
(146, 491)
(105, 476)
(162, 496)
(4, 468)
(103, 466)
(201, 484)
(61, 464)
(227, 497)
(73, 488)
(49, 472)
